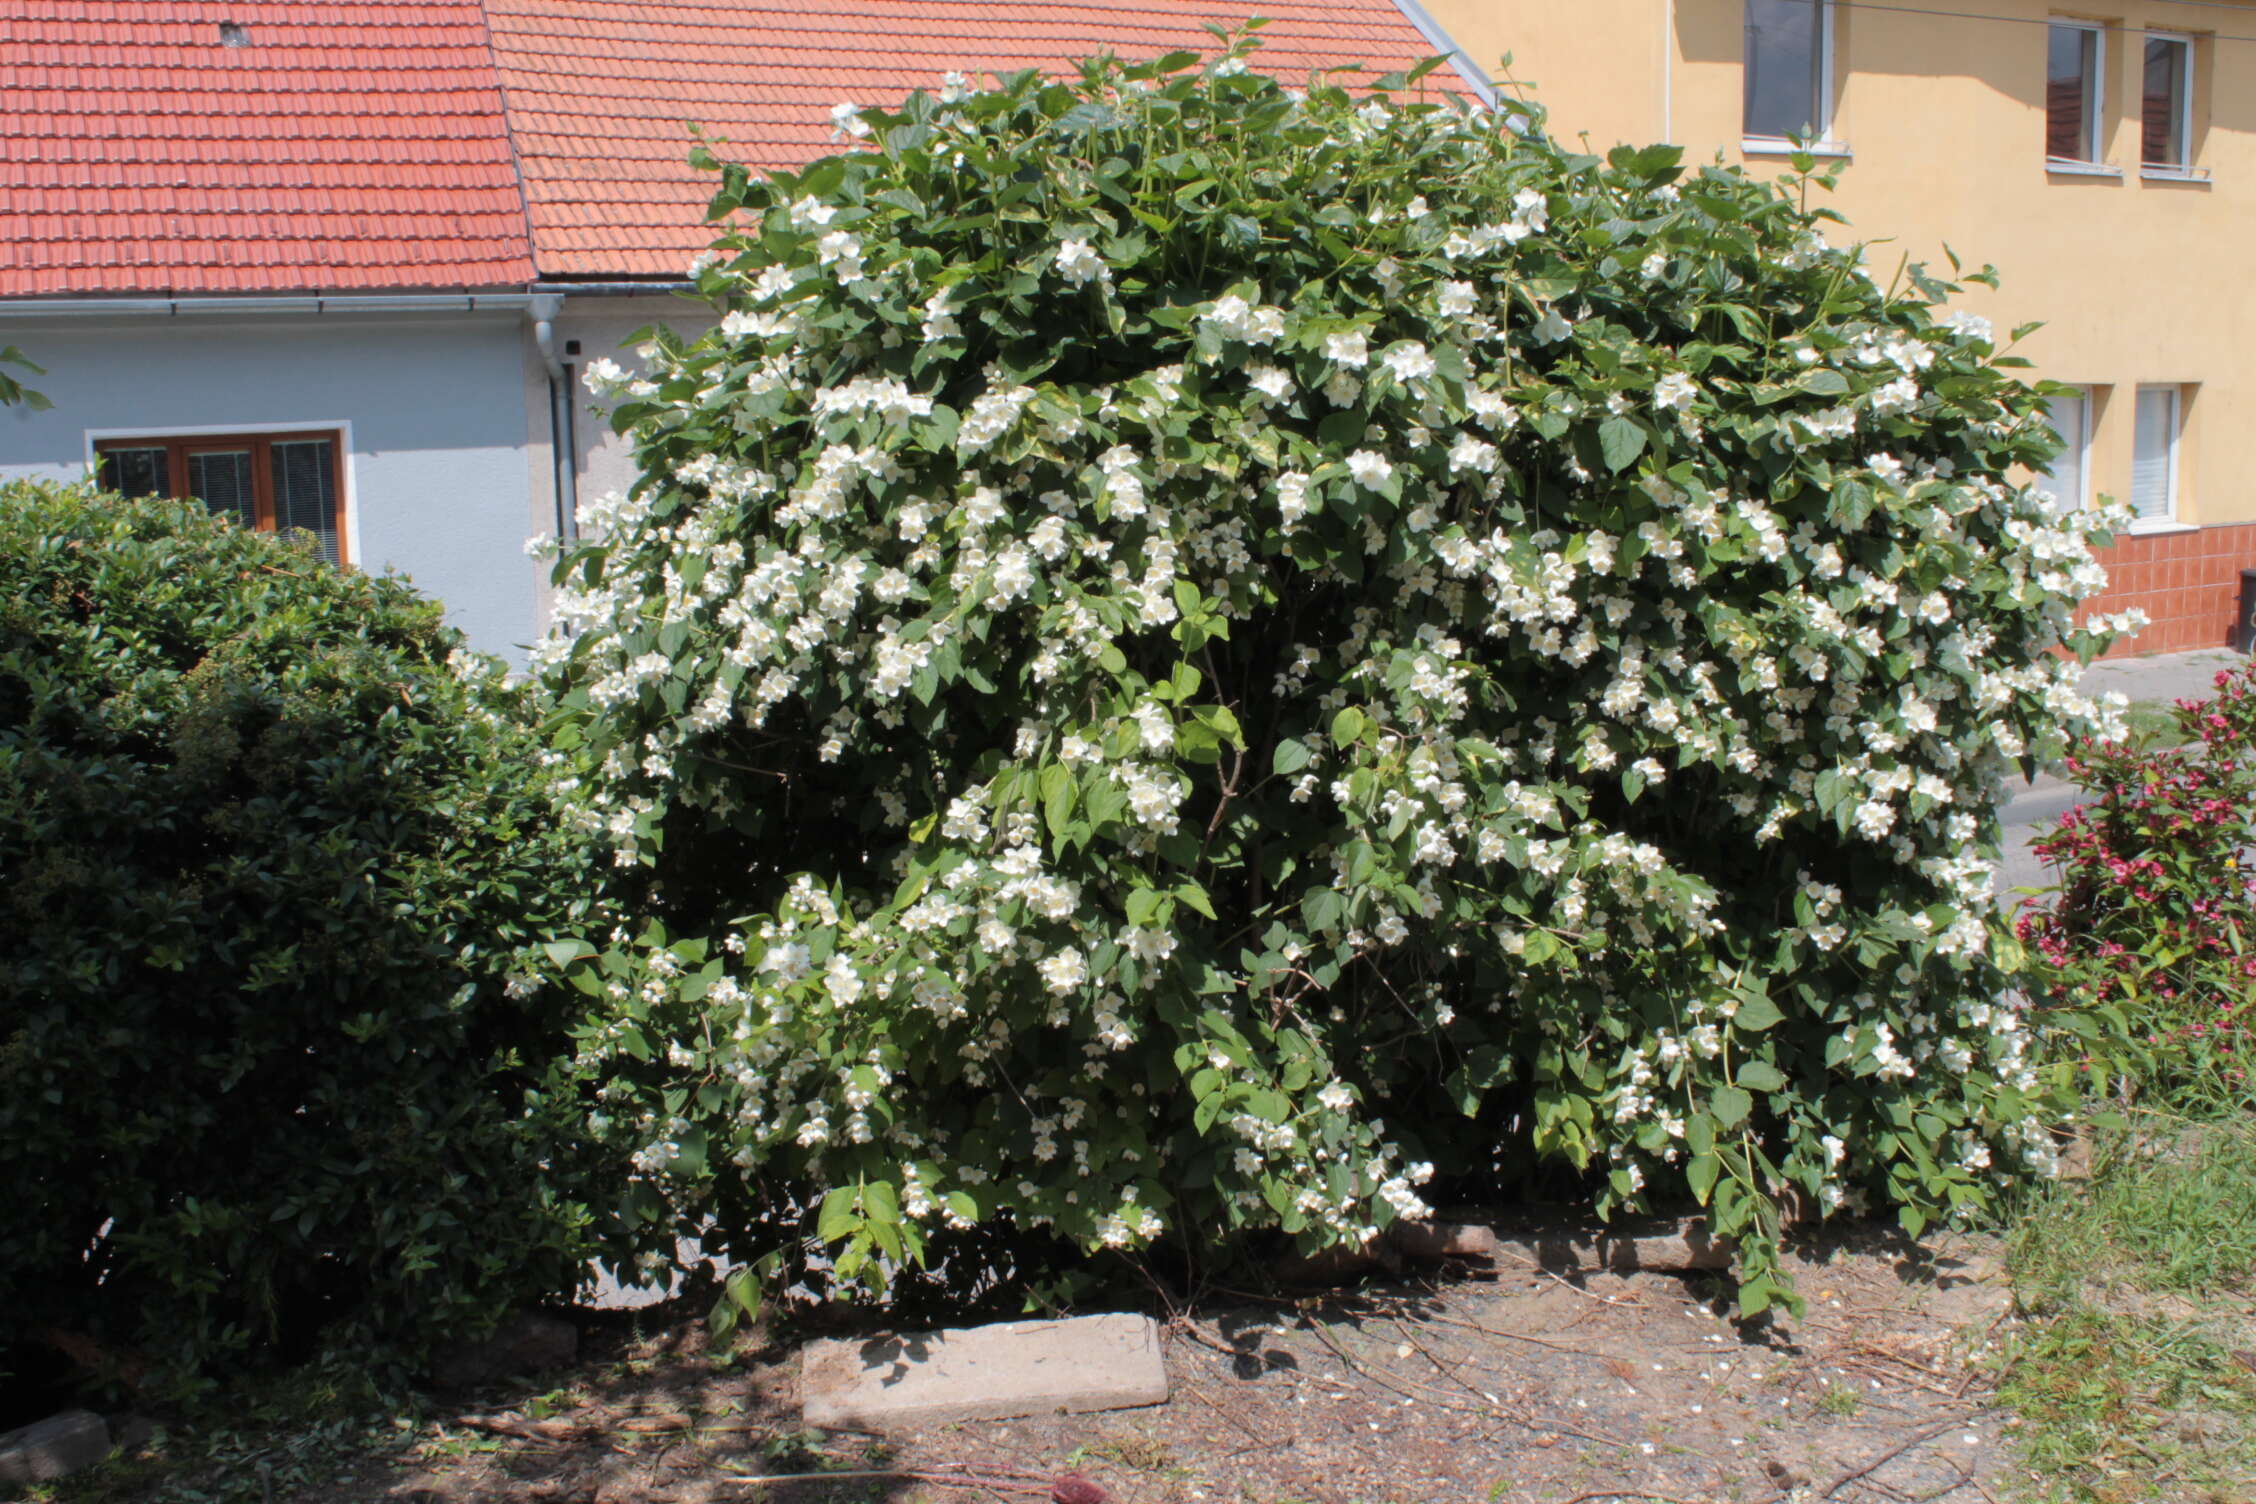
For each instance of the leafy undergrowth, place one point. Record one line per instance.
(2136, 1372)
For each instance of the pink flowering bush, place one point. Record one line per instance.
(2150, 939)
(1194, 662)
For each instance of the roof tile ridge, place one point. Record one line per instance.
(509, 137)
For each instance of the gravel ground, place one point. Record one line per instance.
(1512, 1385)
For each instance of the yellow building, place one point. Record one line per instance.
(2103, 160)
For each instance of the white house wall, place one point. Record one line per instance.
(434, 408)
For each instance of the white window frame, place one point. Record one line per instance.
(2184, 169)
(2095, 118)
(1827, 143)
(348, 500)
(2168, 521)
(2081, 501)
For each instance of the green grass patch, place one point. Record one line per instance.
(2133, 1370)
(2155, 722)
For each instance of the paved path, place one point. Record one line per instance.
(2034, 808)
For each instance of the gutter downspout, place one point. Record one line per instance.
(563, 427)
(1668, 72)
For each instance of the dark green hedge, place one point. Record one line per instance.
(268, 850)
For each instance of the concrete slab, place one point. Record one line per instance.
(2163, 677)
(1013, 1368)
(54, 1448)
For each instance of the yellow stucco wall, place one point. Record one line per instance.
(2139, 279)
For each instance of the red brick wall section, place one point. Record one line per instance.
(2188, 584)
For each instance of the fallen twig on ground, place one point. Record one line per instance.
(527, 1430)
(1887, 1457)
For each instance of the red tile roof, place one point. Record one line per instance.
(364, 144)
(600, 91)
(352, 144)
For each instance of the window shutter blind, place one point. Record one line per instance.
(305, 493)
(2156, 436)
(222, 481)
(2071, 418)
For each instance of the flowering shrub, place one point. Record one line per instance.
(2151, 934)
(1198, 659)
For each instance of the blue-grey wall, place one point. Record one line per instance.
(439, 480)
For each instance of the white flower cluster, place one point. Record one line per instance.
(1325, 598)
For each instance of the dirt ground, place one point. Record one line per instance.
(1513, 1385)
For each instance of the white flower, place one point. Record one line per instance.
(1970, 326)
(1079, 264)
(810, 213)
(1369, 468)
(1271, 382)
(788, 963)
(603, 376)
(1064, 971)
(846, 119)
(1409, 360)
(1674, 391)
(1292, 496)
(1391, 930)
(1347, 349)
(1897, 396)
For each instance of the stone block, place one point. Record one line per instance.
(918, 1379)
(1659, 1244)
(1445, 1240)
(54, 1448)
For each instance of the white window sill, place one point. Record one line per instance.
(2145, 527)
(1779, 146)
(2064, 167)
(2175, 174)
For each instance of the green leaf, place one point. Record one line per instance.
(1755, 1014)
(1347, 726)
(1729, 1106)
(562, 953)
(1761, 1075)
(1620, 441)
(1290, 758)
(838, 1218)
(1060, 791)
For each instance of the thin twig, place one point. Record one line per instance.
(953, 1480)
(1887, 1457)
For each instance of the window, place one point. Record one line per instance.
(2154, 455)
(270, 481)
(2072, 93)
(1789, 69)
(2071, 420)
(2166, 104)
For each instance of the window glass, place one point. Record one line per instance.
(2071, 419)
(286, 481)
(2162, 110)
(2154, 454)
(305, 494)
(1786, 66)
(135, 472)
(2072, 94)
(221, 479)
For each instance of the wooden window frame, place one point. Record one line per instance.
(178, 447)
